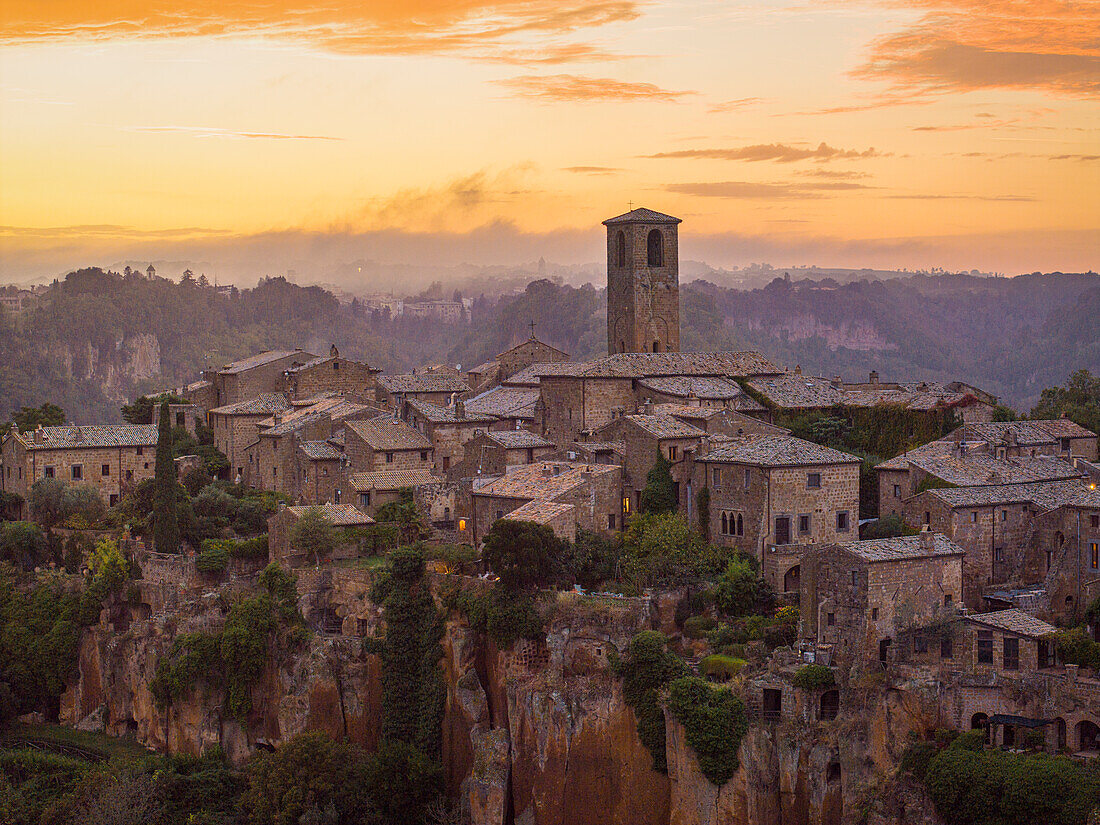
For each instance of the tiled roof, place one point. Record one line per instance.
(942, 447)
(540, 511)
(777, 451)
(335, 408)
(665, 426)
(537, 342)
(1063, 428)
(424, 382)
(342, 515)
(538, 480)
(529, 376)
(311, 362)
(518, 439)
(260, 359)
(1014, 620)
(798, 391)
(320, 450)
(652, 364)
(705, 387)
(505, 402)
(268, 402)
(1045, 494)
(641, 215)
(911, 399)
(389, 480)
(71, 436)
(900, 548)
(447, 415)
(383, 433)
(1021, 432)
(482, 369)
(983, 469)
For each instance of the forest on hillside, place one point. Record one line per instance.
(1011, 336)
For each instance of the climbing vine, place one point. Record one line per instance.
(714, 721)
(648, 667)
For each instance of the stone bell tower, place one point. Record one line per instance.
(643, 283)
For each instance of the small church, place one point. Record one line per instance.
(643, 283)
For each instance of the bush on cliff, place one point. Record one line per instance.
(647, 667)
(714, 722)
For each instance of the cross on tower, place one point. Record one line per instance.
(630, 206)
(532, 325)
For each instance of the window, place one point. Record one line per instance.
(974, 517)
(610, 521)
(1050, 557)
(389, 458)
(620, 250)
(671, 448)
(500, 514)
(1065, 445)
(748, 477)
(655, 253)
(740, 526)
(364, 499)
(874, 614)
(946, 651)
(146, 465)
(335, 365)
(985, 647)
(920, 643)
(803, 524)
(139, 450)
(897, 491)
(423, 455)
(1095, 520)
(725, 524)
(324, 472)
(1011, 654)
(998, 554)
(813, 480)
(1004, 515)
(446, 463)
(716, 477)
(842, 521)
(927, 517)
(830, 619)
(855, 578)
(274, 472)
(947, 599)
(1095, 555)
(47, 472)
(105, 470)
(77, 472)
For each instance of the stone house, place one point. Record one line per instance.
(993, 524)
(184, 416)
(593, 490)
(112, 458)
(487, 375)
(492, 453)
(385, 443)
(369, 491)
(279, 527)
(591, 452)
(447, 428)
(435, 388)
(512, 407)
(558, 516)
(1063, 552)
(645, 437)
(526, 354)
(716, 420)
(858, 597)
(334, 374)
(247, 378)
(1059, 436)
(702, 391)
(776, 490)
(236, 427)
(320, 472)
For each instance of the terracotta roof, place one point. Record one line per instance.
(710, 388)
(540, 511)
(335, 408)
(777, 451)
(982, 469)
(342, 515)
(538, 480)
(1044, 494)
(73, 436)
(798, 391)
(900, 548)
(389, 480)
(518, 439)
(505, 402)
(481, 369)
(424, 382)
(641, 215)
(447, 415)
(260, 359)
(665, 426)
(1015, 621)
(268, 402)
(320, 450)
(383, 433)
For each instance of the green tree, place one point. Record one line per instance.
(1078, 400)
(658, 496)
(647, 667)
(45, 499)
(141, 411)
(740, 590)
(314, 534)
(166, 532)
(23, 544)
(30, 418)
(82, 505)
(662, 548)
(525, 555)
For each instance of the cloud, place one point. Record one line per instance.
(947, 197)
(736, 105)
(967, 45)
(212, 131)
(558, 88)
(1079, 158)
(479, 29)
(833, 174)
(765, 191)
(593, 170)
(779, 152)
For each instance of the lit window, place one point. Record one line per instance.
(462, 524)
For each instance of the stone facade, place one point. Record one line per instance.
(523, 355)
(251, 376)
(237, 427)
(334, 374)
(645, 439)
(405, 449)
(643, 283)
(572, 406)
(1063, 552)
(448, 429)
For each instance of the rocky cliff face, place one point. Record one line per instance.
(115, 369)
(535, 735)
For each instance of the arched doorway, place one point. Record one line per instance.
(980, 721)
(791, 579)
(883, 651)
(830, 705)
(1087, 734)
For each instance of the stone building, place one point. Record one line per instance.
(320, 471)
(112, 458)
(435, 388)
(492, 453)
(281, 549)
(716, 420)
(776, 490)
(1063, 553)
(334, 374)
(184, 416)
(245, 379)
(447, 428)
(858, 597)
(236, 427)
(487, 375)
(369, 491)
(703, 391)
(643, 282)
(386, 443)
(513, 407)
(526, 354)
(593, 491)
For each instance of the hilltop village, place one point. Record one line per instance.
(847, 610)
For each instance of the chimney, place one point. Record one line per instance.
(78, 434)
(926, 539)
(873, 377)
(647, 406)
(333, 352)
(837, 382)
(797, 369)
(278, 418)
(460, 408)
(39, 435)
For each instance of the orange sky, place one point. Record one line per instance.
(960, 133)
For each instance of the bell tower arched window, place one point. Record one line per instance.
(620, 250)
(655, 248)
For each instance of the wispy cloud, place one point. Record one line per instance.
(558, 88)
(779, 152)
(736, 105)
(749, 190)
(215, 132)
(948, 197)
(593, 170)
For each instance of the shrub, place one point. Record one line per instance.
(740, 590)
(725, 667)
(698, 626)
(658, 495)
(714, 721)
(212, 561)
(814, 677)
(1076, 648)
(647, 667)
(525, 555)
(917, 757)
(22, 543)
(591, 559)
(502, 615)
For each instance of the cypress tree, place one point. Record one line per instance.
(166, 532)
(659, 495)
